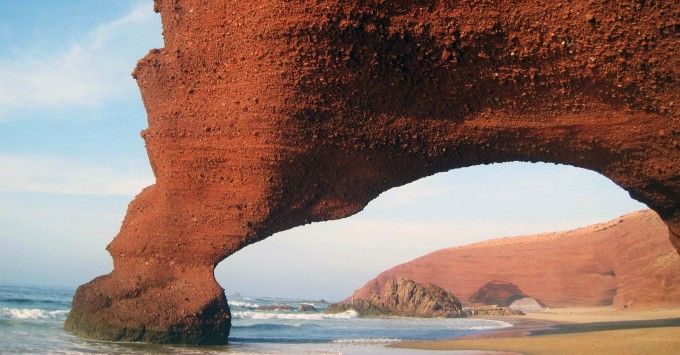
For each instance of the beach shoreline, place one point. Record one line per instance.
(573, 330)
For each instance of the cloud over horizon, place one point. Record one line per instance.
(59, 175)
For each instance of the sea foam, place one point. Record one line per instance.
(19, 313)
(301, 316)
(497, 324)
(243, 304)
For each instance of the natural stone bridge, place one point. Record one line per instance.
(265, 115)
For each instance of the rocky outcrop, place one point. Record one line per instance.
(404, 298)
(307, 308)
(626, 262)
(496, 292)
(269, 114)
(494, 310)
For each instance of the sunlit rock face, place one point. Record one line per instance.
(626, 263)
(406, 298)
(265, 115)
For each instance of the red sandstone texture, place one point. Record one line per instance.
(627, 262)
(266, 115)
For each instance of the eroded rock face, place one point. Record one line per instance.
(404, 298)
(497, 292)
(265, 115)
(627, 262)
(158, 307)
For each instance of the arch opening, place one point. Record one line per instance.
(598, 265)
(456, 207)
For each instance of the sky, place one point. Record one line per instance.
(71, 159)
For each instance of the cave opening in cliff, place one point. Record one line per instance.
(329, 260)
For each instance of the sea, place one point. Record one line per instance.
(32, 318)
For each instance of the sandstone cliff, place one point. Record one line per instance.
(627, 262)
(265, 115)
(404, 298)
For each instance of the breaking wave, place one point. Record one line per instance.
(496, 324)
(18, 313)
(243, 304)
(272, 326)
(293, 316)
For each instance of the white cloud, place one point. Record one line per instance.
(59, 175)
(93, 70)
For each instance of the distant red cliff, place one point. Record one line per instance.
(626, 262)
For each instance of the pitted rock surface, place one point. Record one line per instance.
(269, 114)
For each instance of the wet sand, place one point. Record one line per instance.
(576, 331)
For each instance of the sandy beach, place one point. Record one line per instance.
(576, 331)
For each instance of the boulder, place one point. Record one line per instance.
(404, 298)
(307, 308)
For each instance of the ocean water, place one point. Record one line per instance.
(31, 321)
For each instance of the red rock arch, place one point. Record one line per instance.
(267, 115)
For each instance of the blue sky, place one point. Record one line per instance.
(71, 159)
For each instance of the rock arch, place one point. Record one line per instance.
(265, 115)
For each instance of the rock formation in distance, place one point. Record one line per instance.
(626, 262)
(497, 292)
(269, 114)
(405, 298)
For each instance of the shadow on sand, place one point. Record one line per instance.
(599, 326)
